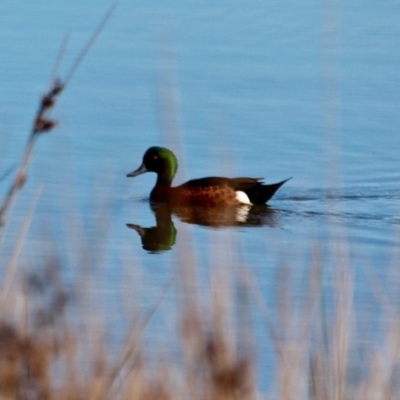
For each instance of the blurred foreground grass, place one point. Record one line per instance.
(45, 354)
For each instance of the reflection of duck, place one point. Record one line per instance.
(162, 236)
(158, 238)
(228, 216)
(205, 192)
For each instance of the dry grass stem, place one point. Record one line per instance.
(42, 123)
(17, 251)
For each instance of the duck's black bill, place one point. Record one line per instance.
(141, 170)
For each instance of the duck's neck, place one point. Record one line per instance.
(162, 189)
(163, 181)
(165, 177)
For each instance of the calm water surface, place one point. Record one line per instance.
(272, 89)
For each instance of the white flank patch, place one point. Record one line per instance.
(242, 197)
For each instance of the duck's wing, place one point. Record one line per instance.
(256, 190)
(208, 182)
(234, 183)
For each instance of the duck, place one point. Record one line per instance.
(211, 191)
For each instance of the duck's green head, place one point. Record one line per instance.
(161, 161)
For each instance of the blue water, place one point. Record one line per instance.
(272, 89)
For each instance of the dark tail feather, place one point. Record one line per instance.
(261, 193)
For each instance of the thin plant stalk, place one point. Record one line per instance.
(18, 248)
(42, 123)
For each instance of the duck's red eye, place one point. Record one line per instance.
(155, 157)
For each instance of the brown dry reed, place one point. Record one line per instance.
(42, 123)
(45, 355)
